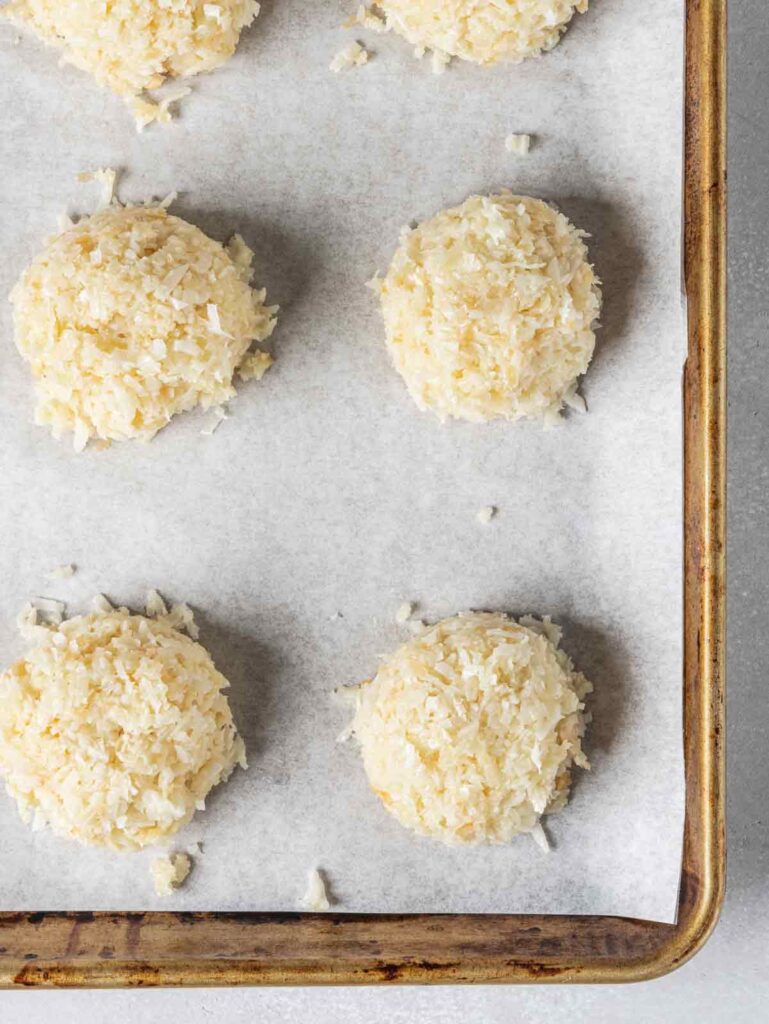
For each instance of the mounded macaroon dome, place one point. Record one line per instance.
(114, 728)
(469, 730)
(133, 315)
(133, 45)
(490, 309)
(483, 31)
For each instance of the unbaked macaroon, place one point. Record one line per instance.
(133, 315)
(468, 731)
(115, 727)
(482, 31)
(132, 46)
(490, 309)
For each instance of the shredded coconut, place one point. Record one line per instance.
(169, 872)
(132, 46)
(30, 629)
(490, 309)
(351, 56)
(404, 611)
(316, 896)
(540, 838)
(62, 572)
(107, 178)
(416, 626)
(367, 18)
(483, 31)
(254, 365)
(469, 731)
(518, 144)
(113, 356)
(573, 400)
(485, 515)
(181, 617)
(439, 61)
(114, 728)
(154, 605)
(145, 111)
(218, 416)
(51, 610)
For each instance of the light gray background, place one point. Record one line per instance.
(729, 980)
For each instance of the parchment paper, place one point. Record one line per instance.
(329, 492)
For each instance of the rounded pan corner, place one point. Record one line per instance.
(688, 937)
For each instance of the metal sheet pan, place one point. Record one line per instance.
(211, 948)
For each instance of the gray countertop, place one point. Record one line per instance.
(729, 979)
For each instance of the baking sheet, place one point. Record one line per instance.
(327, 499)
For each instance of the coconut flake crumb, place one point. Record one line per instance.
(573, 400)
(181, 617)
(351, 56)
(214, 322)
(254, 365)
(518, 143)
(62, 572)
(368, 18)
(439, 62)
(99, 603)
(218, 416)
(242, 256)
(168, 872)
(404, 612)
(147, 111)
(30, 628)
(546, 627)
(154, 605)
(539, 836)
(38, 617)
(107, 178)
(485, 515)
(316, 895)
(417, 626)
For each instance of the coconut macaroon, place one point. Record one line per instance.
(490, 309)
(114, 728)
(132, 46)
(133, 315)
(482, 31)
(468, 731)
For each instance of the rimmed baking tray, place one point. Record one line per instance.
(141, 949)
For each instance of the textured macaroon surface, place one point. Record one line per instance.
(469, 730)
(133, 315)
(133, 45)
(490, 309)
(482, 31)
(113, 730)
